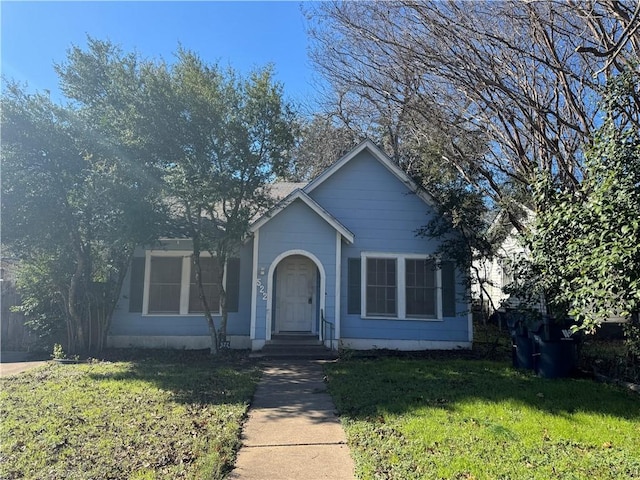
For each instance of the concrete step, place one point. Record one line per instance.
(295, 346)
(294, 340)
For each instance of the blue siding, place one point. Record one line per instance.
(297, 227)
(126, 323)
(384, 216)
(367, 199)
(377, 207)
(451, 330)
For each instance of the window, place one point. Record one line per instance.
(381, 287)
(403, 286)
(165, 283)
(210, 283)
(420, 285)
(508, 274)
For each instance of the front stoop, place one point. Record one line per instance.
(295, 346)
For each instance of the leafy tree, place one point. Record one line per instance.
(73, 209)
(209, 138)
(227, 138)
(44, 314)
(518, 82)
(217, 137)
(585, 244)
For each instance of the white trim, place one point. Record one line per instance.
(175, 253)
(383, 159)
(402, 345)
(272, 268)
(336, 319)
(147, 282)
(313, 205)
(185, 285)
(401, 300)
(254, 284)
(177, 240)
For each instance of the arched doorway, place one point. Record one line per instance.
(296, 295)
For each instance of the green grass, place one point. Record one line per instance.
(169, 416)
(450, 418)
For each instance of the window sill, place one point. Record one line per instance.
(411, 319)
(215, 314)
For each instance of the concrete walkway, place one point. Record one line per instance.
(7, 369)
(292, 432)
(12, 363)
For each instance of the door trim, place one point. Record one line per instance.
(272, 269)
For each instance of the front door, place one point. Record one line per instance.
(295, 294)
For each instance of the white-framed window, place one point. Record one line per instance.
(421, 287)
(165, 284)
(405, 286)
(381, 287)
(170, 286)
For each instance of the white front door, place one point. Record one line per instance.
(295, 294)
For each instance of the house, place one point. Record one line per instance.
(337, 259)
(491, 275)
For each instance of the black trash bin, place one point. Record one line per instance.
(555, 353)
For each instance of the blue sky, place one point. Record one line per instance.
(241, 34)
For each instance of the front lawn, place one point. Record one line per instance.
(438, 418)
(169, 415)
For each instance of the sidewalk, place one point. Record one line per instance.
(292, 432)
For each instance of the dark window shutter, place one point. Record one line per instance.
(353, 286)
(136, 286)
(233, 284)
(448, 289)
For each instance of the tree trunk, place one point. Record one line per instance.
(74, 320)
(110, 299)
(223, 302)
(215, 339)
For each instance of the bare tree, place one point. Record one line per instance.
(320, 143)
(524, 76)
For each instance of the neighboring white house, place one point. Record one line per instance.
(490, 276)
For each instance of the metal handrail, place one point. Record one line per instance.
(332, 329)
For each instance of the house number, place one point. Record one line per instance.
(262, 289)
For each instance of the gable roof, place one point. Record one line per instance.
(502, 226)
(383, 159)
(301, 191)
(299, 194)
